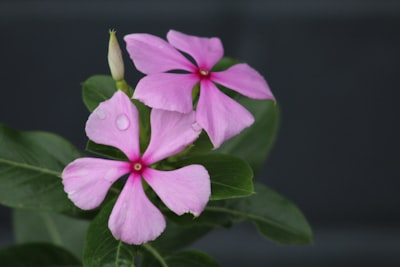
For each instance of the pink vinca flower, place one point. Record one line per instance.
(220, 116)
(134, 219)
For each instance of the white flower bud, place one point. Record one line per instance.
(115, 58)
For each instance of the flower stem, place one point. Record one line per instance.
(123, 86)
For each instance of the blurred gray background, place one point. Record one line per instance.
(333, 65)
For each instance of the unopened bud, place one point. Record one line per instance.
(115, 58)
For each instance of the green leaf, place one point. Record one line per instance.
(96, 89)
(101, 248)
(231, 177)
(184, 230)
(192, 258)
(179, 236)
(225, 63)
(275, 216)
(37, 255)
(255, 142)
(51, 228)
(144, 120)
(107, 151)
(201, 146)
(30, 170)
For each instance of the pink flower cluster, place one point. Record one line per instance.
(220, 116)
(174, 125)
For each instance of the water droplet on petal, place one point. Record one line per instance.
(196, 127)
(122, 122)
(100, 114)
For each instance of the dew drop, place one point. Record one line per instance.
(122, 122)
(196, 127)
(100, 114)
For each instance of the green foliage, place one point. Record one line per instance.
(192, 258)
(144, 124)
(106, 151)
(255, 142)
(101, 248)
(30, 170)
(37, 255)
(96, 89)
(230, 177)
(179, 236)
(224, 63)
(57, 229)
(274, 216)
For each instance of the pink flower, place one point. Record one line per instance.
(134, 219)
(220, 116)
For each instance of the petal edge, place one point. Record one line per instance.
(187, 189)
(171, 132)
(115, 122)
(244, 80)
(87, 180)
(219, 115)
(168, 91)
(134, 219)
(205, 51)
(151, 54)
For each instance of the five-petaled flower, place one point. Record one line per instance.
(134, 218)
(220, 116)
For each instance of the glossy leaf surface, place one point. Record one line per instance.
(274, 216)
(30, 170)
(231, 177)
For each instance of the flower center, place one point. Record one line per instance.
(137, 167)
(203, 73)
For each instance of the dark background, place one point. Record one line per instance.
(333, 65)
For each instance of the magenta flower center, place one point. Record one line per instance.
(203, 73)
(137, 167)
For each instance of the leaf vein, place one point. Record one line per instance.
(253, 217)
(29, 167)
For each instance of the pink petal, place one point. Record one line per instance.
(151, 54)
(134, 219)
(115, 123)
(168, 91)
(205, 51)
(171, 132)
(87, 180)
(184, 190)
(220, 116)
(245, 80)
